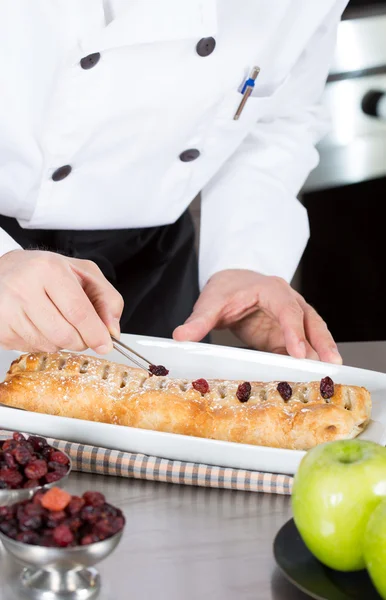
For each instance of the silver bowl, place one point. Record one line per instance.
(60, 573)
(8, 497)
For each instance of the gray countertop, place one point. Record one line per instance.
(185, 543)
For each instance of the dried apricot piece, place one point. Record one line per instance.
(56, 499)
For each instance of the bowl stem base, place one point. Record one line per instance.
(56, 584)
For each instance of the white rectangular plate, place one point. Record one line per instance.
(190, 360)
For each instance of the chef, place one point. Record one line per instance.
(114, 115)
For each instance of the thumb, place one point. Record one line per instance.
(198, 325)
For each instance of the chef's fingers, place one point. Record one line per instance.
(46, 329)
(319, 336)
(72, 302)
(277, 298)
(10, 340)
(197, 326)
(106, 300)
(205, 316)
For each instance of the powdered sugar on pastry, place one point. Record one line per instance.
(94, 389)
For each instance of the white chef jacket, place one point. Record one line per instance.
(123, 124)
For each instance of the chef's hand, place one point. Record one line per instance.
(49, 302)
(264, 312)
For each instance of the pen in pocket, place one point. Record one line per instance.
(247, 91)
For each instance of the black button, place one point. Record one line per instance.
(189, 155)
(61, 173)
(206, 46)
(88, 62)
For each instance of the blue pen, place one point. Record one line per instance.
(247, 91)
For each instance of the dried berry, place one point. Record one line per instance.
(74, 523)
(36, 469)
(22, 455)
(59, 457)
(28, 537)
(12, 477)
(33, 509)
(201, 385)
(27, 523)
(90, 514)
(55, 517)
(37, 442)
(18, 437)
(75, 506)
(3, 485)
(327, 388)
(158, 370)
(31, 483)
(8, 528)
(62, 535)
(38, 497)
(285, 390)
(94, 498)
(91, 538)
(53, 476)
(56, 499)
(9, 460)
(9, 445)
(55, 466)
(244, 391)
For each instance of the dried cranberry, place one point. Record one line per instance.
(110, 511)
(201, 385)
(26, 522)
(33, 509)
(37, 497)
(158, 370)
(37, 442)
(12, 477)
(284, 390)
(18, 437)
(94, 498)
(9, 445)
(53, 476)
(9, 460)
(91, 538)
(327, 388)
(28, 537)
(4, 513)
(31, 483)
(90, 514)
(244, 391)
(74, 523)
(3, 485)
(22, 455)
(107, 527)
(36, 469)
(75, 506)
(62, 535)
(55, 517)
(55, 466)
(47, 452)
(59, 457)
(9, 528)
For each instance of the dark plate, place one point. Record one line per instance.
(310, 576)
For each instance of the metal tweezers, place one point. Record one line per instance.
(128, 352)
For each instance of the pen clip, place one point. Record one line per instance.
(247, 91)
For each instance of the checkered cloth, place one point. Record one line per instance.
(91, 459)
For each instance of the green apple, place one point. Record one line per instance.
(374, 547)
(336, 488)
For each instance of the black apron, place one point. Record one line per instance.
(155, 268)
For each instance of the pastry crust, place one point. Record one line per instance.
(84, 387)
